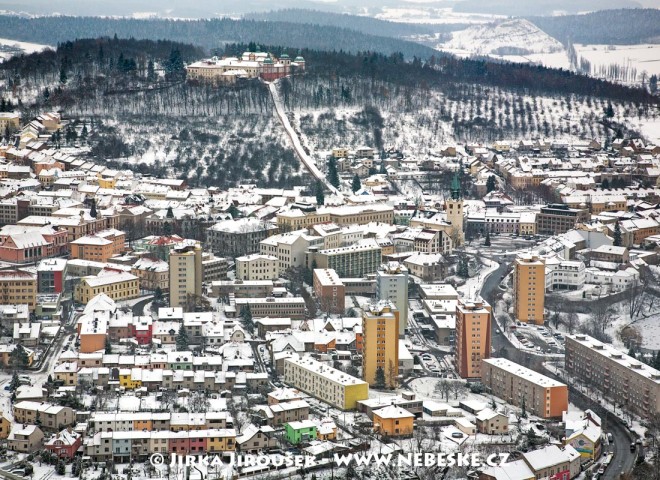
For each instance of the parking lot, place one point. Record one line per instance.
(538, 338)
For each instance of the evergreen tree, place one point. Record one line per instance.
(609, 111)
(656, 362)
(108, 345)
(174, 66)
(92, 212)
(631, 352)
(233, 211)
(523, 409)
(182, 339)
(320, 196)
(246, 317)
(18, 358)
(356, 185)
(617, 235)
(380, 378)
(151, 71)
(84, 132)
(653, 84)
(60, 468)
(487, 241)
(333, 176)
(491, 184)
(63, 77)
(46, 94)
(158, 295)
(463, 270)
(15, 382)
(383, 168)
(170, 213)
(605, 184)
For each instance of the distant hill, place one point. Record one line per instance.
(368, 25)
(509, 37)
(619, 27)
(210, 34)
(540, 7)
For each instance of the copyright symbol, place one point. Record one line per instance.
(157, 459)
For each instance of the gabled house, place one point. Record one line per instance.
(64, 444)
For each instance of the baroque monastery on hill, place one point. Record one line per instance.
(250, 65)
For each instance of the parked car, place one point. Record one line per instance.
(457, 435)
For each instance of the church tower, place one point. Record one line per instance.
(454, 211)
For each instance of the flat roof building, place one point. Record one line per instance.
(515, 384)
(324, 382)
(623, 379)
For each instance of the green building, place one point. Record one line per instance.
(297, 432)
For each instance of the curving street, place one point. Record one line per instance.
(624, 460)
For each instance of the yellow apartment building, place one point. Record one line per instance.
(328, 384)
(186, 273)
(529, 288)
(380, 330)
(116, 284)
(18, 287)
(296, 219)
(9, 120)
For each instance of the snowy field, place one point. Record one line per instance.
(432, 15)
(9, 48)
(644, 57)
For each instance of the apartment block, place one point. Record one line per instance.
(290, 307)
(543, 396)
(18, 287)
(213, 268)
(51, 274)
(564, 274)
(257, 267)
(558, 218)
(380, 331)
(234, 238)
(242, 288)
(392, 284)
(115, 283)
(529, 288)
(354, 261)
(473, 337)
(328, 384)
(345, 215)
(9, 121)
(186, 273)
(290, 248)
(623, 379)
(98, 247)
(329, 290)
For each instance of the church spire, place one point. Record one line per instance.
(455, 188)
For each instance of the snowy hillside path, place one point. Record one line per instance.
(307, 161)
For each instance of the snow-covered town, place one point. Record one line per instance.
(499, 298)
